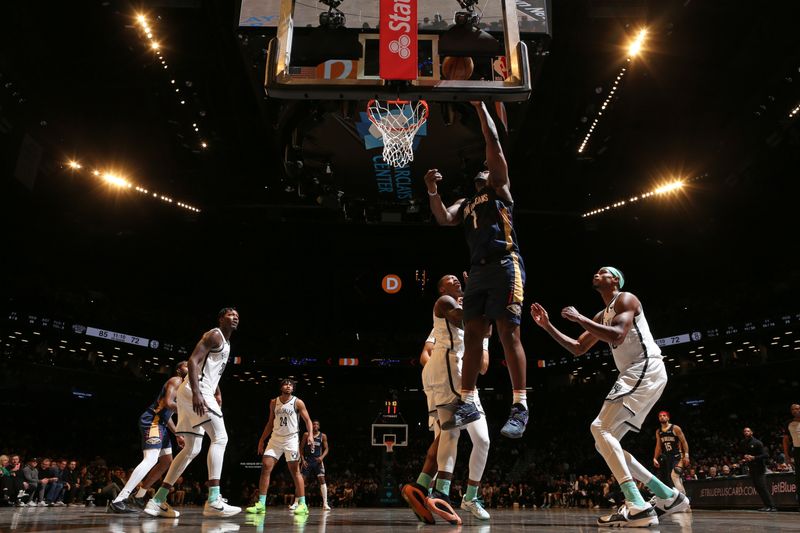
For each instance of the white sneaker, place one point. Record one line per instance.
(219, 508)
(42, 504)
(476, 508)
(679, 503)
(326, 507)
(59, 504)
(293, 506)
(163, 509)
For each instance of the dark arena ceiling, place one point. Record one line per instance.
(273, 205)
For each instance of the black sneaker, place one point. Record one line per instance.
(465, 413)
(768, 510)
(120, 508)
(515, 425)
(630, 517)
(133, 501)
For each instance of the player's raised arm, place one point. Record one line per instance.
(626, 307)
(445, 216)
(578, 346)
(449, 308)
(495, 159)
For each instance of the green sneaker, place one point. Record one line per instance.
(258, 508)
(302, 509)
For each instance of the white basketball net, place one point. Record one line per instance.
(398, 121)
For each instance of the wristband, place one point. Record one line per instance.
(433, 194)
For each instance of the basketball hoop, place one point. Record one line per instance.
(389, 445)
(398, 121)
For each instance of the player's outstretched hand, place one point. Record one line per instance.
(260, 447)
(432, 179)
(180, 440)
(656, 463)
(310, 442)
(570, 313)
(540, 315)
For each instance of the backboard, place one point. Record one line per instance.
(396, 433)
(309, 59)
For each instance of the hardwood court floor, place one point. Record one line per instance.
(378, 520)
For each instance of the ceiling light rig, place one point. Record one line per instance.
(634, 49)
(112, 178)
(661, 191)
(157, 48)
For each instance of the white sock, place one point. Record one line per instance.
(521, 396)
(323, 490)
(148, 461)
(141, 493)
(468, 396)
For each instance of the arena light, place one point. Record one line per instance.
(636, 45)
(118, 181)
(659, 191)
(157, 48)
(793, 113)
(113, 179)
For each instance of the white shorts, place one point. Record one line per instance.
(444, 378)
(426, 386)
(189, 421)
(638, 389)
(289, 447)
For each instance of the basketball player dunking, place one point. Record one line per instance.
(199, 402)
(282, 428)
(642, 378)
(496, 277)
(672, 452)
(156, 426)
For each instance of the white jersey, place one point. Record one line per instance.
(447, 335)
(637, 346)
(285, 423)
(794, 431)
(212, 368)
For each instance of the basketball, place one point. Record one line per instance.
(457, 68)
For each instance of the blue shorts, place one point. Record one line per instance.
(495, 290)
(313, 468)
(155, 435)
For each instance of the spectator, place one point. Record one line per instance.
(6, 483)
(72, 483)
(30, 474)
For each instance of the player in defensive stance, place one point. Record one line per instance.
(199, 403)
(642, 378)
(156, 425)
(445, 380)
(283, 427)
(672, 452)
(311, 464)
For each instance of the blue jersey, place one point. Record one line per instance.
(317, 448)
(488, 226)
(159, 406)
